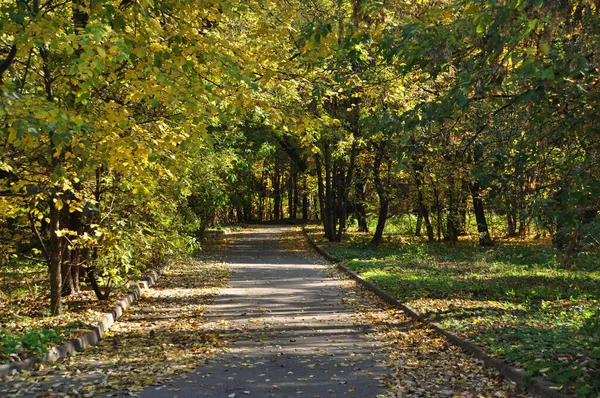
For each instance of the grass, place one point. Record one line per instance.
(512, 299)
(26, 327)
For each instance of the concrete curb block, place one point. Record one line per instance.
(94, 335)
(534, 385)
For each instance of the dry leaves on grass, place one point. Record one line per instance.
(24, 309)
(423, 363)
(160, 336)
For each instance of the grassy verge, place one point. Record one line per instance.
(511, 299)
(26, 327)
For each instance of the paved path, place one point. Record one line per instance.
(290, 333)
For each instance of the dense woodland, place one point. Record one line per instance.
(128, 127)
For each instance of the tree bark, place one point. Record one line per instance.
(482, 227)
(339, 206)
(461, 211)
(261, 197)
(305, 202)
(100, 295)
(452, 216)
(382, 193)
(438, 209)
(418, 168)
(73, 220)
(321, 193)
(329, 202)
(360, 211)
(419, 223)
(55, 250)
(511, 222)
(290, 192)
(424, 210)
(344, 191)
(57, 243)
(276, 193)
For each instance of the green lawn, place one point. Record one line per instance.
(511, 299)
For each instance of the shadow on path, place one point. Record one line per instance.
(290, 333)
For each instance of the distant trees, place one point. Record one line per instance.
(440, 109)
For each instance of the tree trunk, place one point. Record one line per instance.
(100, 295)
(281, 190)
(511, 226)
(564, 262)
(381, 219)
(248, 212)
(418, 167)
(295, 196)
(424, 211)
(305, 201)
(438, 208)
(511, 215)
(461, 224)
(67, 283)
(55, 251)
(261, 198)
(522, 226)
(482, 227)
(339, 206)
(419, 224)
(321, 194)
(329, 203)
(360, 210)
(428, 226)
(381, 189)
(363, 225)
(73, 257)
(344, 191)
(452, 217)
(276, 194)
(290, 192)
(239, 214)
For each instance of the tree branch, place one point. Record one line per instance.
(4, 65)
(38, 236)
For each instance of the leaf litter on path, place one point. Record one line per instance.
(162, 335)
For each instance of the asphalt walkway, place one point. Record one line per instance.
(290, 333)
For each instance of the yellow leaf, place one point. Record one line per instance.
(545, 48)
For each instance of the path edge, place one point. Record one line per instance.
(534, 385)
(95, 333)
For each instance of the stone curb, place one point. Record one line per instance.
(94, 335)
(534, 385)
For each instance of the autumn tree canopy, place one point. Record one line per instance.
(127, 127)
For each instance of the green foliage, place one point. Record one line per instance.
(34, 342)
(105, 112)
